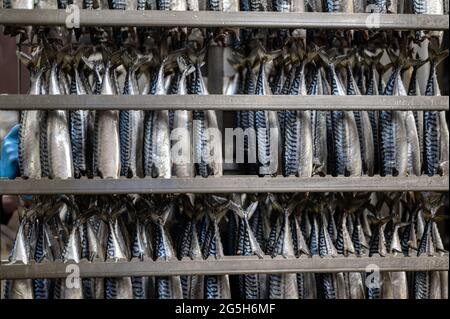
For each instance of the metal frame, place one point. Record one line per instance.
(222, 102)
(149, 18)
(227, 265)
(224, 184)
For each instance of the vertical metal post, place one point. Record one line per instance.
(215, 75)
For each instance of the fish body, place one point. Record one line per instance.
(131, 129)
(166, 287)
(79, 130)
(215, 287)
(106, 139)
(117, 288)
(250, 285)
(298, 149)
(20, 288)
(29, 134)
(58, 136)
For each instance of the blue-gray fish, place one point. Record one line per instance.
(429, 7)
(189, 247)
(363, 124)
(166, 287)
(249, 285)
(414, 90)
(216, 287)
(106, 161)
(347, 151)
(436, 134)
(141, 250)
(58, 135)
(117, 250)
(306, 282)
(30, 129)
(298, 140)
(183, 164)
(131, 123)
(283, 286)
(80, 127)
(319, 127)
(20, 288)
(394, 143)
(267, 129)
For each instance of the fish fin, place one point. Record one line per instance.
(436, 55)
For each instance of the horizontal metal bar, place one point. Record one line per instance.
(222, 102)
(150, 18)
(225, 184)
(226, 265)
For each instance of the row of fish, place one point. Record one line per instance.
(182, 143)
(351, 143)
(348, 6)
(187, 226)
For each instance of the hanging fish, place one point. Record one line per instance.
(183, 164)
(117, 250)
(427, 284)
(189, 247)
(142, 250)
(79, 124)
(346, 151)
(363, 124)
(436, 134)
(216, 287)
(298, 141)
(131, 122)
(319, 127)
(20, 288)
(166, 287)
(29, 133)
(250, 285)
(106, 136)
(283, 286)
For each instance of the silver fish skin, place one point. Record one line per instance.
(166, 287)
(117, 288)
(29, 141)
(58, 136)
(72, 253)
(216, 287)
(319, 128)
(429, 7)
(131, 129)
(21, 4)
(189, 247)
(20, 288)
(412, 138)
(183, 165)
(393, 131)
(365, 134)
(345, 133)
(107, 141)
(301, 127)
(283, 286)
(398, 279)
(79, 130)
(345, 6)
(444, 145)
(214, 136)
(161, 133)
(141, 250)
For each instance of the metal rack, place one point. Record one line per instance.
(225, 184)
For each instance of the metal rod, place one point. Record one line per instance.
(227, 265)
(225, 184)
(223, 102)
(150, 18)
